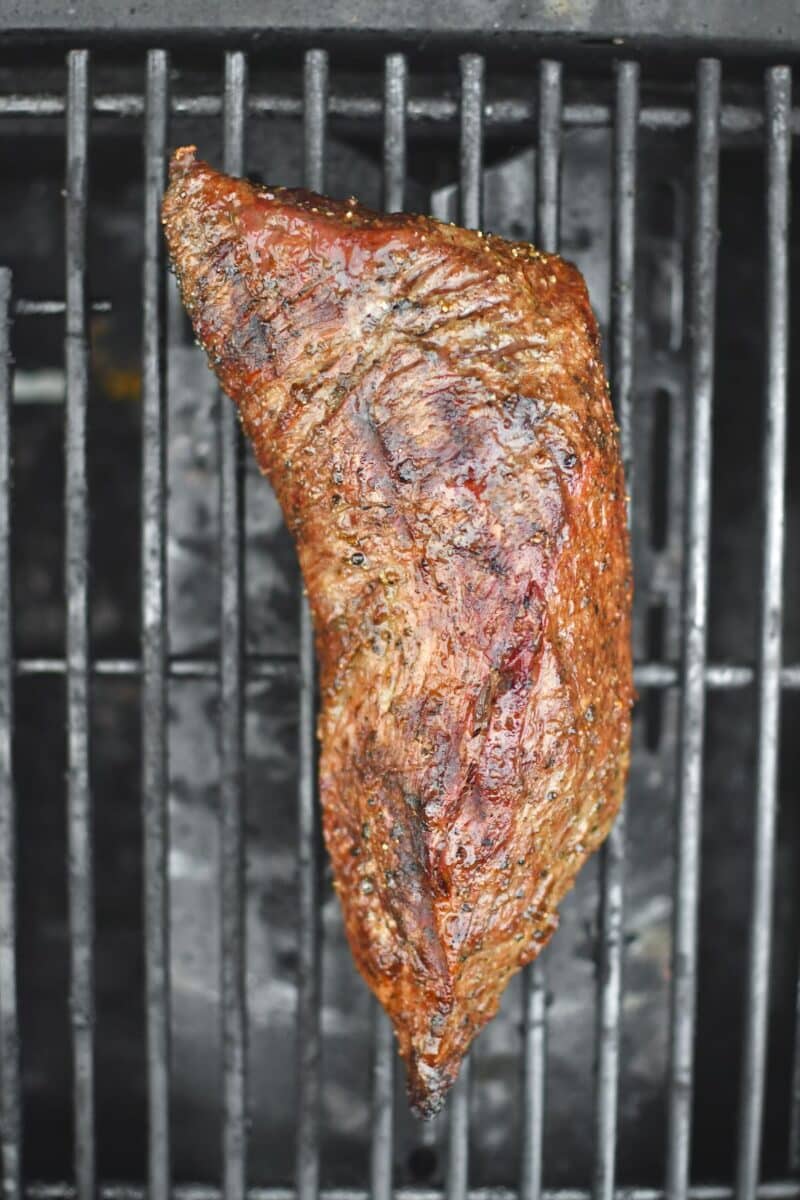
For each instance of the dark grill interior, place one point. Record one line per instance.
(177, 1002)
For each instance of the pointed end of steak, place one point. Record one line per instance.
(427, 1089)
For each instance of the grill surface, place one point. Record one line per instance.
(674, 628)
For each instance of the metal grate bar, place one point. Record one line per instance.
(623, 232)
(473, 72)
(10, 1094)
(613, 853)
(382, 1105)
(471, 150)
(457, 1179)
(718, 676)
(383, 1044)
(534, 1058)
(788, 1189)
(232, 855)
(315, 82)
(76, 586)
(534, 1051)
(53, 308)
(794, 1110)
(735, 119)
(690, 771)
(154, 638)
(548, 163)
(395, 103)
(753, 1079)
(259, 667)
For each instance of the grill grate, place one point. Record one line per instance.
(315, 84)
(778, 103)
(76, 591)
(613, 852)
(10, 1121)
(154, 647)
(710, 120)
(698, 532)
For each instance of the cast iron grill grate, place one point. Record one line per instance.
(707, 120)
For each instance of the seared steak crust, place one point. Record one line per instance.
(429, 404)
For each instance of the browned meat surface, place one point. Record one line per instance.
(430, 406)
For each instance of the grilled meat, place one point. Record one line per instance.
(430, 406)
